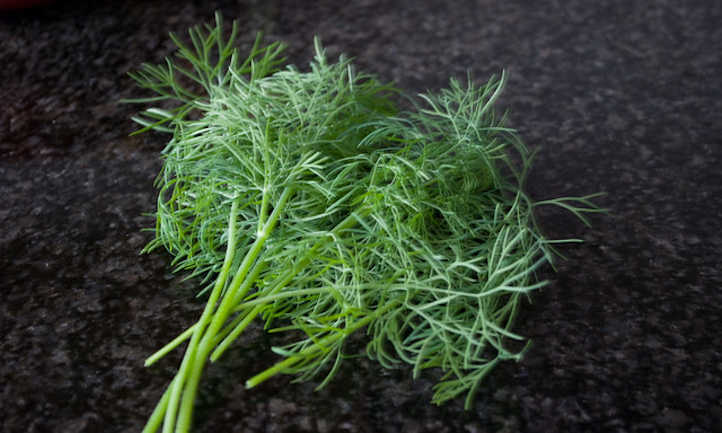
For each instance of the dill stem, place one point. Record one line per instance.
(170, 346)
(206, 344)
(258, 268)
(321, 345)
(189, 357)
(156, 418)
(283, 281)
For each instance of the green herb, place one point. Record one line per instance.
(306, 199)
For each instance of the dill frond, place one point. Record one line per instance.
(307, 200)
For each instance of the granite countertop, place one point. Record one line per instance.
(622, 97)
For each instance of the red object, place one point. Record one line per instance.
(21, 4)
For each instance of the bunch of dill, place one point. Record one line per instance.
(307, 200)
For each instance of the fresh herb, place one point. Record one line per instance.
(308, 200)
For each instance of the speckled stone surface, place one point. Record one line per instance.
(621, 96)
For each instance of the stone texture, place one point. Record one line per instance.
(623, 97)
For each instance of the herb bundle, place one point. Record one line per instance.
(306, 199)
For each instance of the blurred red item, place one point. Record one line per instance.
(21, 4)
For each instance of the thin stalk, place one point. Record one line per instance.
(156, 418)
(284, 280)
(152, 359)
(188, 358)
(280, 366)
(224, 310)
(188, 333)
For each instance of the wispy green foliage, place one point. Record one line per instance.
(308, 201)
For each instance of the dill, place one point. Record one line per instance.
(309, 201)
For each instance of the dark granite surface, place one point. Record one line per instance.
(622, 96)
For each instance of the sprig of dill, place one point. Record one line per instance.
(306, 199)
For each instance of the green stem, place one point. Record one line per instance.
(321, 345)
(283, 281)
(176, 387)
(205, 333)
(236, 331)
(156, 418)
(231, 331)
(224, 310)
(170, 346)
(260, 266)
